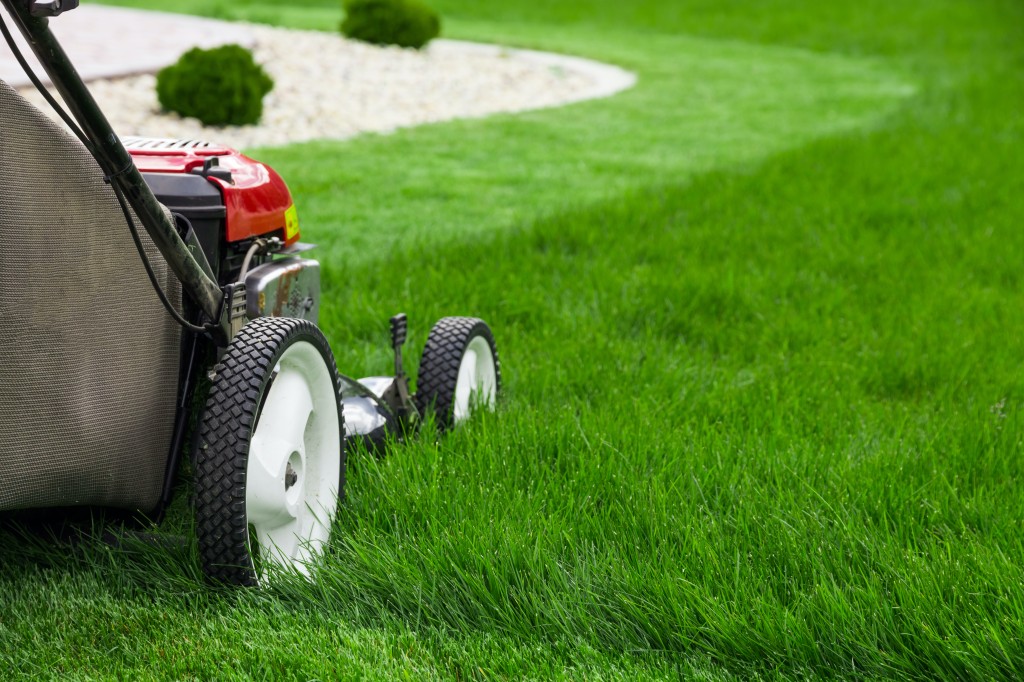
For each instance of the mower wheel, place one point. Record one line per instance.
(459, 370)
(270, 464)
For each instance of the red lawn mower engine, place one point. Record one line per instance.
(107, 427)
(242, 213)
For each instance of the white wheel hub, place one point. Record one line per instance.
(477, 382)
(294, 466)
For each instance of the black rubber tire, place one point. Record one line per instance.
(222, 454)
(439, 365)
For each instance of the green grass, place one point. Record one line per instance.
(700, 104)
(759, 321)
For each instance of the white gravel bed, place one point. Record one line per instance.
(329, 87)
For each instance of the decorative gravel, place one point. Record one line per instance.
(329, 87)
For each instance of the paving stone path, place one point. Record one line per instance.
(346, 88)
(105, 42)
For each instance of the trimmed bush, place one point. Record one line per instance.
(406, 23)
(221, 86)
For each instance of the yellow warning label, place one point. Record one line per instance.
(291, 223)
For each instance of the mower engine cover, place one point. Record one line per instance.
(257, 200)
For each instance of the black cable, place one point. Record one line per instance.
(205, 329)
(68, 121)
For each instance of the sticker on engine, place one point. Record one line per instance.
(291, 223)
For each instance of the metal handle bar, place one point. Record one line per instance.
(185, 259)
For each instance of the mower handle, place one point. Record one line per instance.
(117, 165)
(50, 8)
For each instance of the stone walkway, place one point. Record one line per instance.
(105, 42)
(325, 86)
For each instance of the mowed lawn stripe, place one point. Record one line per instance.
(699, 104)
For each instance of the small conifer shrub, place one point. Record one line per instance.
(406, 23)
(221, 86)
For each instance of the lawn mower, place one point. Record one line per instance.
(112, 335)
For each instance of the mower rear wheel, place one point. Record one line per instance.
(459, 370)
(270, 464)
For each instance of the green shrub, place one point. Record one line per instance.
(407, 23)
(222, 86)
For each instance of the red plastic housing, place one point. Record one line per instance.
(257, 200)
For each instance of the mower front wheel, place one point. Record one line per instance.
(459, 370)
(270, 464)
